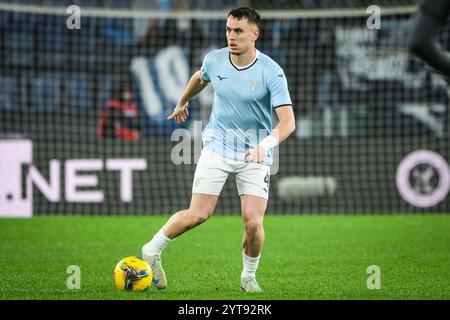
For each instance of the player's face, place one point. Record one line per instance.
(241, 35)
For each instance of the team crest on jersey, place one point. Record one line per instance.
(253, 84)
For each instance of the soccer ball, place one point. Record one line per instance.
(132, 274)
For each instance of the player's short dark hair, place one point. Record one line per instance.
(249, 13)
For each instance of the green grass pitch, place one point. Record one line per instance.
(304, 257)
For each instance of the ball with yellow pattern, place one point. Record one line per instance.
(132, 274)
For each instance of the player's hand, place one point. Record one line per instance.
(257, 155)
(180, 113)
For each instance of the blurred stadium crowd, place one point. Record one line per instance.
(49, 69)
(165, 5)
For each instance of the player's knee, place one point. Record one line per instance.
(253, 225)
(199, 217)
(200, 213)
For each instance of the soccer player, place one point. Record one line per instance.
(431, 16)
(248, 86)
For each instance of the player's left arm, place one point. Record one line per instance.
(281, 102)
(286, 124)
(282, 130)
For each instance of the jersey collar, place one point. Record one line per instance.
(245, 67)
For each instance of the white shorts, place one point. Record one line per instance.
(212, 172)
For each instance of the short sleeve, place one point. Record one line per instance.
(204, 69)
(279, 93)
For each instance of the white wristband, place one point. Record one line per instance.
(268, 142)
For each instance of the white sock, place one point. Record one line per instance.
(157, 244)
(250, 266)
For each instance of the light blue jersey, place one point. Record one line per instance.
(243, 102)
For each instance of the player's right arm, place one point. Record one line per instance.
(195, 86)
